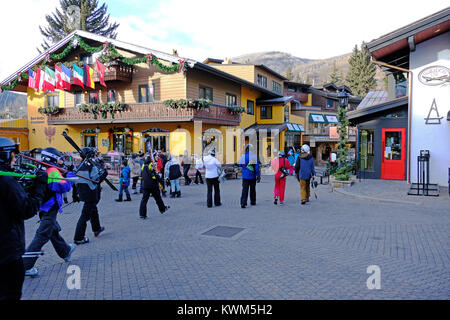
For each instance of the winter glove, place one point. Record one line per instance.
(258, 179)
(41, 178)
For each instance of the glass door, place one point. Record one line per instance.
(393, 154)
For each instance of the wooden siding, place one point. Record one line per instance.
(195, 78)
(165, 85)
(246, 72)
(270, 77)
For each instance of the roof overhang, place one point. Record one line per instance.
(367, 111)
(280, 101)
(410, 35)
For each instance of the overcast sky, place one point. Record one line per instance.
(199, 29)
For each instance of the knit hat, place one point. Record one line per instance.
(305, 148)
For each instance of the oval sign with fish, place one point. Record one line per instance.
(434, 75)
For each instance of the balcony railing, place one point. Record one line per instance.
(148, 112)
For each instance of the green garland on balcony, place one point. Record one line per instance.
(102, 109)
(110, 54)
(235, 109)
(197, 104)
(49, 110)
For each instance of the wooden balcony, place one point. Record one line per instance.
(117, 71)
(148, 112)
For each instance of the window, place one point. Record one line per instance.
(87, 58)
(146, 93)
(93, 97)
(53, 100)
(366, 149)
(78, 98)
(231, 99)
(111, 96)
(205, 93)
(266, 112)
(90, 140)
(330, 104)
(262, 81)
(250, 107)
(393, 146)
(276, 86)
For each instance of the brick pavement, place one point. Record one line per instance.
(317, 251)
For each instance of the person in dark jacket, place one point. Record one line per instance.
(151, 181)
(250, 175)
(16, 206)
(89, 193)
(304, 169)
(124, 182)
(48, 227)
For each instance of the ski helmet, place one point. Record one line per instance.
(51, 155)
(7, 147)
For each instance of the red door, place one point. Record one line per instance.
(393, 154)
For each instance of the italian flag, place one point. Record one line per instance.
(78, 75)
(49, 79)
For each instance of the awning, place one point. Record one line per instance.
(294, 127)
(317, 117)
(331, 118)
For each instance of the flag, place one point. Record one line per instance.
(58, 72)
(101, 73)
(78, 75)
(88, 80)
(32, 83)
(66, 74)
(39, 79)
(49, 79)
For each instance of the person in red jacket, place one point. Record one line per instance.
(280, 167)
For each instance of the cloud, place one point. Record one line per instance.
(203, 28)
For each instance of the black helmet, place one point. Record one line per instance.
(88, 152)
(51, 155)
(7, 146)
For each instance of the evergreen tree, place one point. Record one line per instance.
(334, 77)
(308, 80)
(288, 74)
(343, 171)
(361, 76)
(92, 18)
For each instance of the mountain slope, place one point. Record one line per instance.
(316, 70)
(13, 105)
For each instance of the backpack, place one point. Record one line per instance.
(174, 172)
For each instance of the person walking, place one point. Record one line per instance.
(304, 169)
(141, 163)
(124, 182)
(49, 228)
(89, 194)
(186, 163)
(250, 176)
(17, 206)
(135, 169)
(161, 162)
(172, 171)
(198, 167)
(151, 181)
(212, 167)
(280, 167)
(61, 164)
(291, 159)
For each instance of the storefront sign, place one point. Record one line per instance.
(433, 115)
(434, 75)
(37, 120)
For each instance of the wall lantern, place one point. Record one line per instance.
(97, 130)
(343, 99)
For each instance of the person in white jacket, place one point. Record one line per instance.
(198, 167)
(212, 166)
